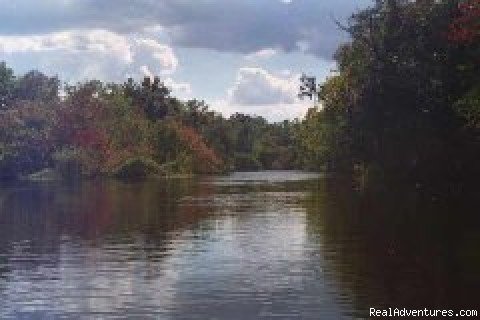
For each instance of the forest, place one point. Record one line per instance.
(128, 130)
(403, 104)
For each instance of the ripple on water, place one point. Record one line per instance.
(269, 245)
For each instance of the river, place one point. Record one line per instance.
(264, 245)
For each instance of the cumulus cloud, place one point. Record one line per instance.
(162, 55)
(260, 92)
(180, 89)
(271, 112)
(89, 54)
(113, 39)
(256, 86)
(242, 26)
(100, 41)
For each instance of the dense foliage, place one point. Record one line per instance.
(405, 102)
(125, 130)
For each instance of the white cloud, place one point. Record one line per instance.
(271, 112)
(182, 90)
(256, 86)
(146, 72)
(230, 26)
(76, 42)
(86, 54)
(259, 92)
(163, 55)
(261, 54)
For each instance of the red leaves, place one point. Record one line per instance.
(79, 124)
(465, 28)
(90, 139)
(206, 159)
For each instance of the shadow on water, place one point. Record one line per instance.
(45, 216)
(396, 249)
(175, 249)
(272, 245)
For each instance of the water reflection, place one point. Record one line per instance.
(394, 249)
(271, 245)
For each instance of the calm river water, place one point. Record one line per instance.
(266, 245)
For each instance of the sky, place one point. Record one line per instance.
(237, 55)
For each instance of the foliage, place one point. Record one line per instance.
(204, 158)
(70, 163)
(468, 107)
(323, 136)
(153, 97)
(126, 130)
(7, 83)
(403, 104)
(246, 162)
(405, 100)
(465, 27)
(137, 168)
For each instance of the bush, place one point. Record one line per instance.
(68, 163)
(8, 166)
(246, 162)
(137, 168)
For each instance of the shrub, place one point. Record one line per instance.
(246, 162)
(137, 168)
(8, 165)
(68, 163)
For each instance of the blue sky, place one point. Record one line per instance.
(238, 55)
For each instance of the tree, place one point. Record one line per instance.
(404, 90)
(153, 97)
(465, 28)
(35, 85)
(7, 83)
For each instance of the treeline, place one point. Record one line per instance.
(125, 130)
(404, 103)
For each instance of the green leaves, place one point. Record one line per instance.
(469, 107)
(403, 97)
